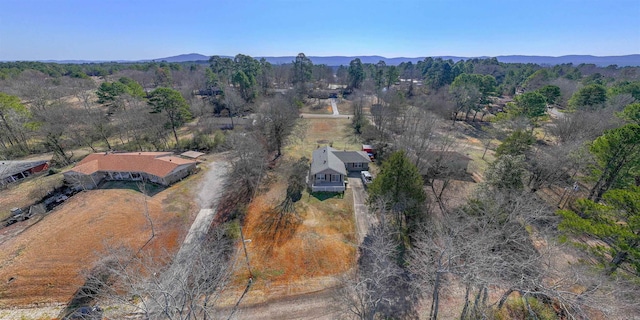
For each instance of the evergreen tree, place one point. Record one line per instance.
(616, 223)
(517, 143)
(400, 186)
(617, 154)
(173, 105)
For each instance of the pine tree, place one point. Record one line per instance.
(400, 186)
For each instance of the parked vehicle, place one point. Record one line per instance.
(366, 178)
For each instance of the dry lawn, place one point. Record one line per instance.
(310, 252)
(320, 132)
(305, 256)
(27, 192)
(317, 106)
(45, 262)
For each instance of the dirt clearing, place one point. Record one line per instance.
(44, 263)
(303, 258)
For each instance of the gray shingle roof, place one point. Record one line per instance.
(352, 156)
(324, 158)
(9, 168)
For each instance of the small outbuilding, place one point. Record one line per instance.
(13, 171)
(192, 154)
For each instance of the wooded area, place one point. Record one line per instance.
(551, 230)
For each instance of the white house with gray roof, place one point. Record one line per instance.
(329, 168)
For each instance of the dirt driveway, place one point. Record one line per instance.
(210, 190)
(360, 209)
(315, 305)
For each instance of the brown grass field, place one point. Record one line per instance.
(321, 132)
(317, 106)
(305, 256)
(45, 263)
(23, 194)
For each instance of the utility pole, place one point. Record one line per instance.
(246, 255)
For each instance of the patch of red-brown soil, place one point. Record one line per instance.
(45, 262)
(303, 257)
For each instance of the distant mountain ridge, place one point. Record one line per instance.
(602, 61)
(621, 61)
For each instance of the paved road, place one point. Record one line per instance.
(326, 116)
(555, 113)
(334, 107)
(360, 209)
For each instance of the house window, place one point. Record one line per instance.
(357, 165)
(335, 178)
(320, 177)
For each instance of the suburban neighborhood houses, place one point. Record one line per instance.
(158, 167)
(239, 190)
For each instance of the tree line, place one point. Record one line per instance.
(586, 154)
(424, 244)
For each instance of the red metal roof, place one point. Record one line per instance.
(156, 163)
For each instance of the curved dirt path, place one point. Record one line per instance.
(314, 305)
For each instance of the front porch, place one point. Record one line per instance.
(328, 187)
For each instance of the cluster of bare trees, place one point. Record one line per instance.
(498, 251)
(158, 286)
(379, 287)
(501, 248)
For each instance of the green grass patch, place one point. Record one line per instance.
(267, 273)
(151, 189)
(322, 196)
(516, 309)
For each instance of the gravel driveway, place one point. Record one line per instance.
(208, 196)
(360, 209)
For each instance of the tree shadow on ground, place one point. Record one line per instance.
(278, 227)
(322, 196)
(150, 189)
(82, 303)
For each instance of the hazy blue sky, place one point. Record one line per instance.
(144, 29)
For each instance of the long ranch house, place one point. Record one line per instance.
(158, 167)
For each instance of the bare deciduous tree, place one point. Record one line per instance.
(277, 118)
(484, 244)
(155, 286)
(379, 287)
(585, 125)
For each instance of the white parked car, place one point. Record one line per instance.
(366, 177)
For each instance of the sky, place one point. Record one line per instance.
(145, 29)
